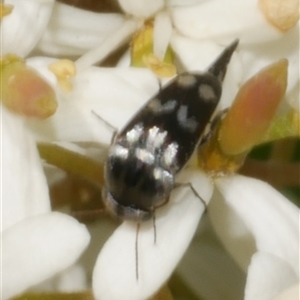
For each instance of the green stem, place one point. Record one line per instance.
(85, 295)
(72, 162)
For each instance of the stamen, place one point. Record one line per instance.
(111, 43)
(137, 252)
(283, 15)
(64, 70)
(5, 10)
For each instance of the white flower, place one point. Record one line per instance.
(273, 222)
(260, 230)
(191, 27)
(202, 34)
(36, 243)
(197, 32)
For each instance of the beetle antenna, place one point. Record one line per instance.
(137, 251)
(112, 128)
(154, 227)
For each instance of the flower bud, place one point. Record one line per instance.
(253, 109)
(25, 92)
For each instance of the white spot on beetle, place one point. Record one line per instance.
(188, 123)
(163, 175)
(144, 155)
(119, 151)
(154, 105)
(158, 108)
(186, 80)
(169, 155)
(206, 92)
(155, 138)
(133, 135)
(169, 106)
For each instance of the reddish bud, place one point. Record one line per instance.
(253, 109)
(24, 91)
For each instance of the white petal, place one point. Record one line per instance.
(267, 276)
(195, 55)
(24, 188)
(209, 271)
(39, 247)
(162, 34)
(142, 9)
(125, 60)
(224, 21)
(114, 274)
(66, 36)
(232, 231)
(182, 2)
(271, 218)
(72, 280)
(292, 293)
(292, 97)
(22, 29)
(114, 94)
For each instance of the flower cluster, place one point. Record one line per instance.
(51, 84)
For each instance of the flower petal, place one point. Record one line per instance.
(182, 2)
(66, 36)
(162, 34)
(292, 97)
(267, 276)
(72, 280)
(95, 91)
(39, 247)
(232, 231)
(115, 270)
(292, 293)
(208, 270)
(141, 9)
(24, 187)
(224, 21)
(271, 218)
(22, 29)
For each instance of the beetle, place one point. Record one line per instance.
(156, 144)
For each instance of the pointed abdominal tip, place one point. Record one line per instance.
(253, 109)
(219, 67)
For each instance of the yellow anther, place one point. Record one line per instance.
(282, 14)
(9, 59)
(142, 53)
(5, 9)
(64, 70)
(160, 68)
